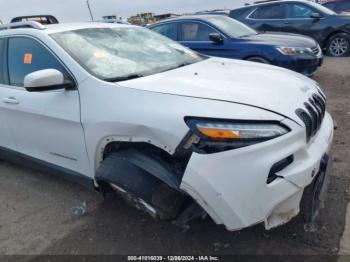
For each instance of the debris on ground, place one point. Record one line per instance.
(80, 210)
(310, 227)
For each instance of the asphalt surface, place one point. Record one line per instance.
(41, 214)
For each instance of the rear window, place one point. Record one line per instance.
(338, 6)
(237, 13)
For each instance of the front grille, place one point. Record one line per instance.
(316, 50)
(312, 115)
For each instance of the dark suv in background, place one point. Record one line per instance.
(330, 29)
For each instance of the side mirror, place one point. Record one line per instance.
(316, 16)
(45, 80)
(216, 38)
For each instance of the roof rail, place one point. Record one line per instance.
(28, 24)
(265, 1)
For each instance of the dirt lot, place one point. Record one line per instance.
(36, 209)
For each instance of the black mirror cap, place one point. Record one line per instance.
(67, 86)
(216, 38)
(316, 16)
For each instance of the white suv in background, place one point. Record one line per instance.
(179, 135)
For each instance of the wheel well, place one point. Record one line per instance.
(259, 56)
(179, 160)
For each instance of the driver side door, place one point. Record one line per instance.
(195, 35)
(46, 125)
(299, 20)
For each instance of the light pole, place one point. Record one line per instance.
(88, 5)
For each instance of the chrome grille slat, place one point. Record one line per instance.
(313, 114)
(321, 103)
(314, 117)
(315, 50)
(318, 110)
(307, 121)
(322, 96)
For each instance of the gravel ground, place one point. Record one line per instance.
(36, 210)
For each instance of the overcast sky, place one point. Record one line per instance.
(76, 10)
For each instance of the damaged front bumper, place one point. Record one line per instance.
(233, 188)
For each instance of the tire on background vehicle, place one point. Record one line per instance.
(258, 59)
(139, 188)
(338, 45)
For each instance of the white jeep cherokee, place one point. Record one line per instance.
(178, 134)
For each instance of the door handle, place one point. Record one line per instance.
(10, 100)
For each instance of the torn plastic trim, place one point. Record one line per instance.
(139, 203)
(285, 211)
(152, 165)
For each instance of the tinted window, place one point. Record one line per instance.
(1, 61)
(26, 55)
(341, 6)
(345, 5)
(299, 11)
(330, 6)
(168, 30)
(320, 8)
(276, 11)
(237, 12)
(231, 27)
(192, 31)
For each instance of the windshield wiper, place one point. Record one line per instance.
(123, 78)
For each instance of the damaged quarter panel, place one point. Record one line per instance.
(132, 115)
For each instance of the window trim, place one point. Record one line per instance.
(277, 19)
(306, 18)
(6, 66)
(201, 22)
(4, 61)
(256, 9)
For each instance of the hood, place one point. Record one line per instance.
(282, 39)
(272, 88)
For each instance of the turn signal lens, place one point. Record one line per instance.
(236, 130)
(218, 133)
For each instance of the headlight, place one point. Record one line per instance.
(294, 50)
(234, 134)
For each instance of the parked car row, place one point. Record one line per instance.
(224, 37)
(289, 34)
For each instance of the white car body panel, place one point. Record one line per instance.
(268, 87)
(76, 125)
(151, 117)
(46, 126)
(234, 191)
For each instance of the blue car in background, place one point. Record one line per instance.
(222, 36)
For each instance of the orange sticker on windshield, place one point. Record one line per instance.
(28, 58)
(100, 54)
